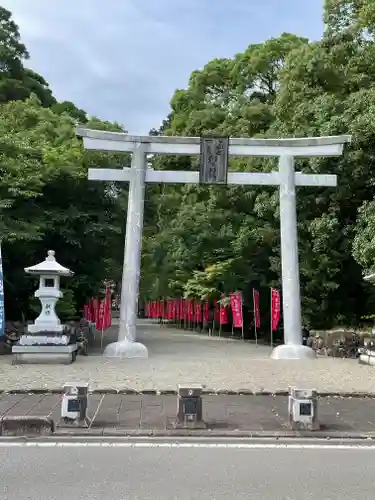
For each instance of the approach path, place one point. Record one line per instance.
(177, 356)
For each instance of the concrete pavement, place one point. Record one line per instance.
(178, 357)
(120, 414)
(185, 470)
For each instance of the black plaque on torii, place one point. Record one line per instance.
(214, 160)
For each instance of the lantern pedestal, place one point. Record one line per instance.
(44, 354)
(46, 341)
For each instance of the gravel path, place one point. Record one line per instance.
(177, 357)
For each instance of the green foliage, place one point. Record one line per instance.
(70, 109)
(204, 241)
(16, 81)
(353, 15)
(46, 200)
(364, 241)
(66, 306)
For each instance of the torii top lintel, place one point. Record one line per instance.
(190, 146)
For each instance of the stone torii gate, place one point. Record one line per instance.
(139, 175)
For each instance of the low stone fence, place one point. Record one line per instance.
(339, 343)
(13, 331)
(81, 329)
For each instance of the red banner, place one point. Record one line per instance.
(198, 312)
(236, 306)
(100, 316)
(169, 309)
(158, 309)
(95, 310)
(177, 309)
(217, 312)
(224, 315)
(190, 306)
(275, 308)
(161, 309)
(256, 308)
(206, 312)
(182, 309)
(107, 308)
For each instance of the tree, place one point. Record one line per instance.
(327, 89)
(12, 51)
(16, 81)
(353, 15)
(47, 202)
(68, 107)
(213, 240)
(207, 240)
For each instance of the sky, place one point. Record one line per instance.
(122, 60)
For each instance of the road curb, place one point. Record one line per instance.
(12, 426)
(205, 433)
(205, 392)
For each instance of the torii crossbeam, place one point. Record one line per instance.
(285, 178)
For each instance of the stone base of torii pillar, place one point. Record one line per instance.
(292, 351)
(126, 349)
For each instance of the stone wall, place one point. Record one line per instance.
(339, 342)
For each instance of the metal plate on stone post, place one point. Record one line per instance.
(189, 407)
(74, 404)
(214, 160)
(303, 406)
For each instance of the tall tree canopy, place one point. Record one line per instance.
(203, 241)
(46, 200)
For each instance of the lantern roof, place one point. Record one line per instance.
(49, 266)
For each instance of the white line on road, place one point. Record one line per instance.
(246, 446)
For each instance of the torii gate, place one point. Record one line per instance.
(139, 174)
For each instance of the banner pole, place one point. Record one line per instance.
(102, 320)
(271, 339)
(213, 319)
(255, 319)
(2, 301)
(181, 314)
(243, 334)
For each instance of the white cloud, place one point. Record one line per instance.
(123, 59)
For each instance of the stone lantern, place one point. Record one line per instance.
(45, 340)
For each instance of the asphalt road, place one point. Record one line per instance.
(201, 471)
